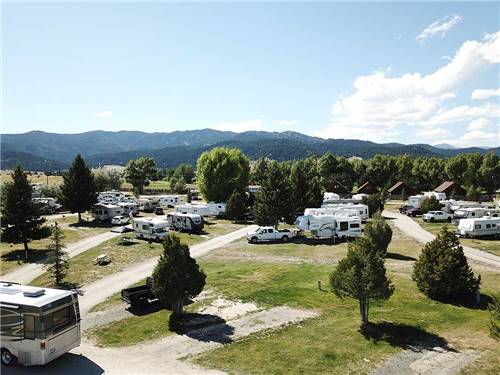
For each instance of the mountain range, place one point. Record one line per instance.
(42, 151)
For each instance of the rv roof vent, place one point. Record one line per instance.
(34, 292)
(7, 290)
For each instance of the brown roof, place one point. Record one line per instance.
(368, 187)
(445, 186)
(396, 186)
(337, 187)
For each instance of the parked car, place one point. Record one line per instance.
(413, 212)
(405, 207)
(119, 220)
(433, 216)
(269, 234)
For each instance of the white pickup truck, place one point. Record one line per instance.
(433, 216)
(269, 234)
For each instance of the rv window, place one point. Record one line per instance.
(344, 225)
(29, 327)
(144, 227)
(60, 318)
(473, 214)
(270, 231)
(488, 225)
(477, 226)
(355, 225)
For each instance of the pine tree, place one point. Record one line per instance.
(306, 184)
(21, 219)
(379, 233)
(57, 264)
(78, 191)
(235, 206)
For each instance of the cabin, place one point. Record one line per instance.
(451, 189)
(400, 190)
(337, 188)
(368, 188)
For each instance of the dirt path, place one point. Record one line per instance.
(28, 272)
(412, 229)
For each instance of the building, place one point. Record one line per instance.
(337, 188)
(399, 190)
(368, 188)
(451, 189)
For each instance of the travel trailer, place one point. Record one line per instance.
(37, 324)
(209, 209)
(113, 196)
(191, 223)
(469, 213)
(146, 205)
(332, 212)
(129, 208)
(328, 226)
(479, 227)
(171, 200)
(49, 205)
(105, 212)
(362, 209)
(150, 228)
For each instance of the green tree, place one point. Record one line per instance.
(430, 203)
(473, 193)
(57, 263)
(186, 171)
(379, 233)
(272, 202)
(177, 276)
(375, 203)
(21, 219)
(138, 172)
(489, 173)
(78, 191)
(305, 184)
(259, 171)
(362, 276)
(221, 171)
(107, 179)
(442, 272)
(236, 207)
(456, 168)
(494, 310)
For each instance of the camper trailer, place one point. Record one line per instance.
(469, 213)
(112, 196)
(192, 223)
(150, 228)
(171, 200)
(362, 209)
(329, 226)
(49, 205)
(332, 212)
(129, 208)
(147, 205)
(479, 227)
(37, 325)
(105, 212)
(209, 209)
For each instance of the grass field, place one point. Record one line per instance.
(153, 185)
(38, 178)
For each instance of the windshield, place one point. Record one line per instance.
(160, 230)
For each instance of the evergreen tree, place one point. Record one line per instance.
(375, 203)
(442, 272)
(259, 171)
(379, 233)
(272, 202)
(177, 276)
(57, 264)
(78, 191)
(362, 276)
(489, 173)
(235, 206)
(21, 219)
(305, 184)
(494, 310)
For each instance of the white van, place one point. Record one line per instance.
(150, 228)
(481, 227)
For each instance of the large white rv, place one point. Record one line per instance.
(328, 226)
(479, 227)
(191, 223)
(171, 200)
(129, 208)
(469, 213)
(150, 228)
(332, 211)
(112, 196)
(37, 325)
(362, 209)
(209, 209)
(105, 212)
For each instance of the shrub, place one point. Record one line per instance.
(430, 204)
(375, 203)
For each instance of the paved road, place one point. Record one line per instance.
(28, 272)
(100, 290)
(412, 229)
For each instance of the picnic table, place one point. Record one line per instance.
(102, 260)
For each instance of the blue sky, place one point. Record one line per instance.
(379, 71)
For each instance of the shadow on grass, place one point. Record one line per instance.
(202, 327)
(91, 224)
(403, 336)
(472, 303)
(34, 256)
(399, 256)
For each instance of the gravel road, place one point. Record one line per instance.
(412, 229)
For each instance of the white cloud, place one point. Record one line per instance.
(430, 134)
(241, 126)
(476, 138)
(381, 105)
(479, 124)
(439, 28)
(103, 114)
(482, 94)
(285, 122)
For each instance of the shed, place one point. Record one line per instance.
(399, 188)
(368, 188)
(451, 188)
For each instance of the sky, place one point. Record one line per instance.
(384, 72)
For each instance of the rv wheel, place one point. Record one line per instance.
(254, 240)
(7, 358)
(284, 239)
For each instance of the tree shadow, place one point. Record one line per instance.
(34, 256)
(67, 286)
(403, 336)
(202, 327)
(91, 224)
(471, 303)
(399, 257)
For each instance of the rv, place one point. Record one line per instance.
(150, 228)
(105, 212)
(49, 205)
(191, 223)
(480, 227)
(330, 196)
(129, 208)
(146, 205)
(362, 209)
(37, 325)
(171, 200)
(332, 212)
(439, 196)
(108, 197)
(469, 213)
(329, 226)
(209, 209)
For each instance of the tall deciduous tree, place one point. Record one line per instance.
(21, 219)
(221, 171)
(362, 276)
(305, 184)
(57, 263)
(177, 276)
(273, 201)
(78, 191)
(489, 173)
(107, 179)
(138, 172)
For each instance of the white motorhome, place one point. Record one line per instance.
(332, 211)
(209, 209)
(37, 325)
(362, 209)
(329, 226)
(105, 212)
(479, 227)
(129, 208)
(171, 200)
(113, 196)
(150, 228)
(191, 223)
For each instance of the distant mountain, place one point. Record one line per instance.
(39, 150)
(445, 146)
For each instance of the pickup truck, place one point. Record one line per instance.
(139, 295)
(433, 216)
(269, 234)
